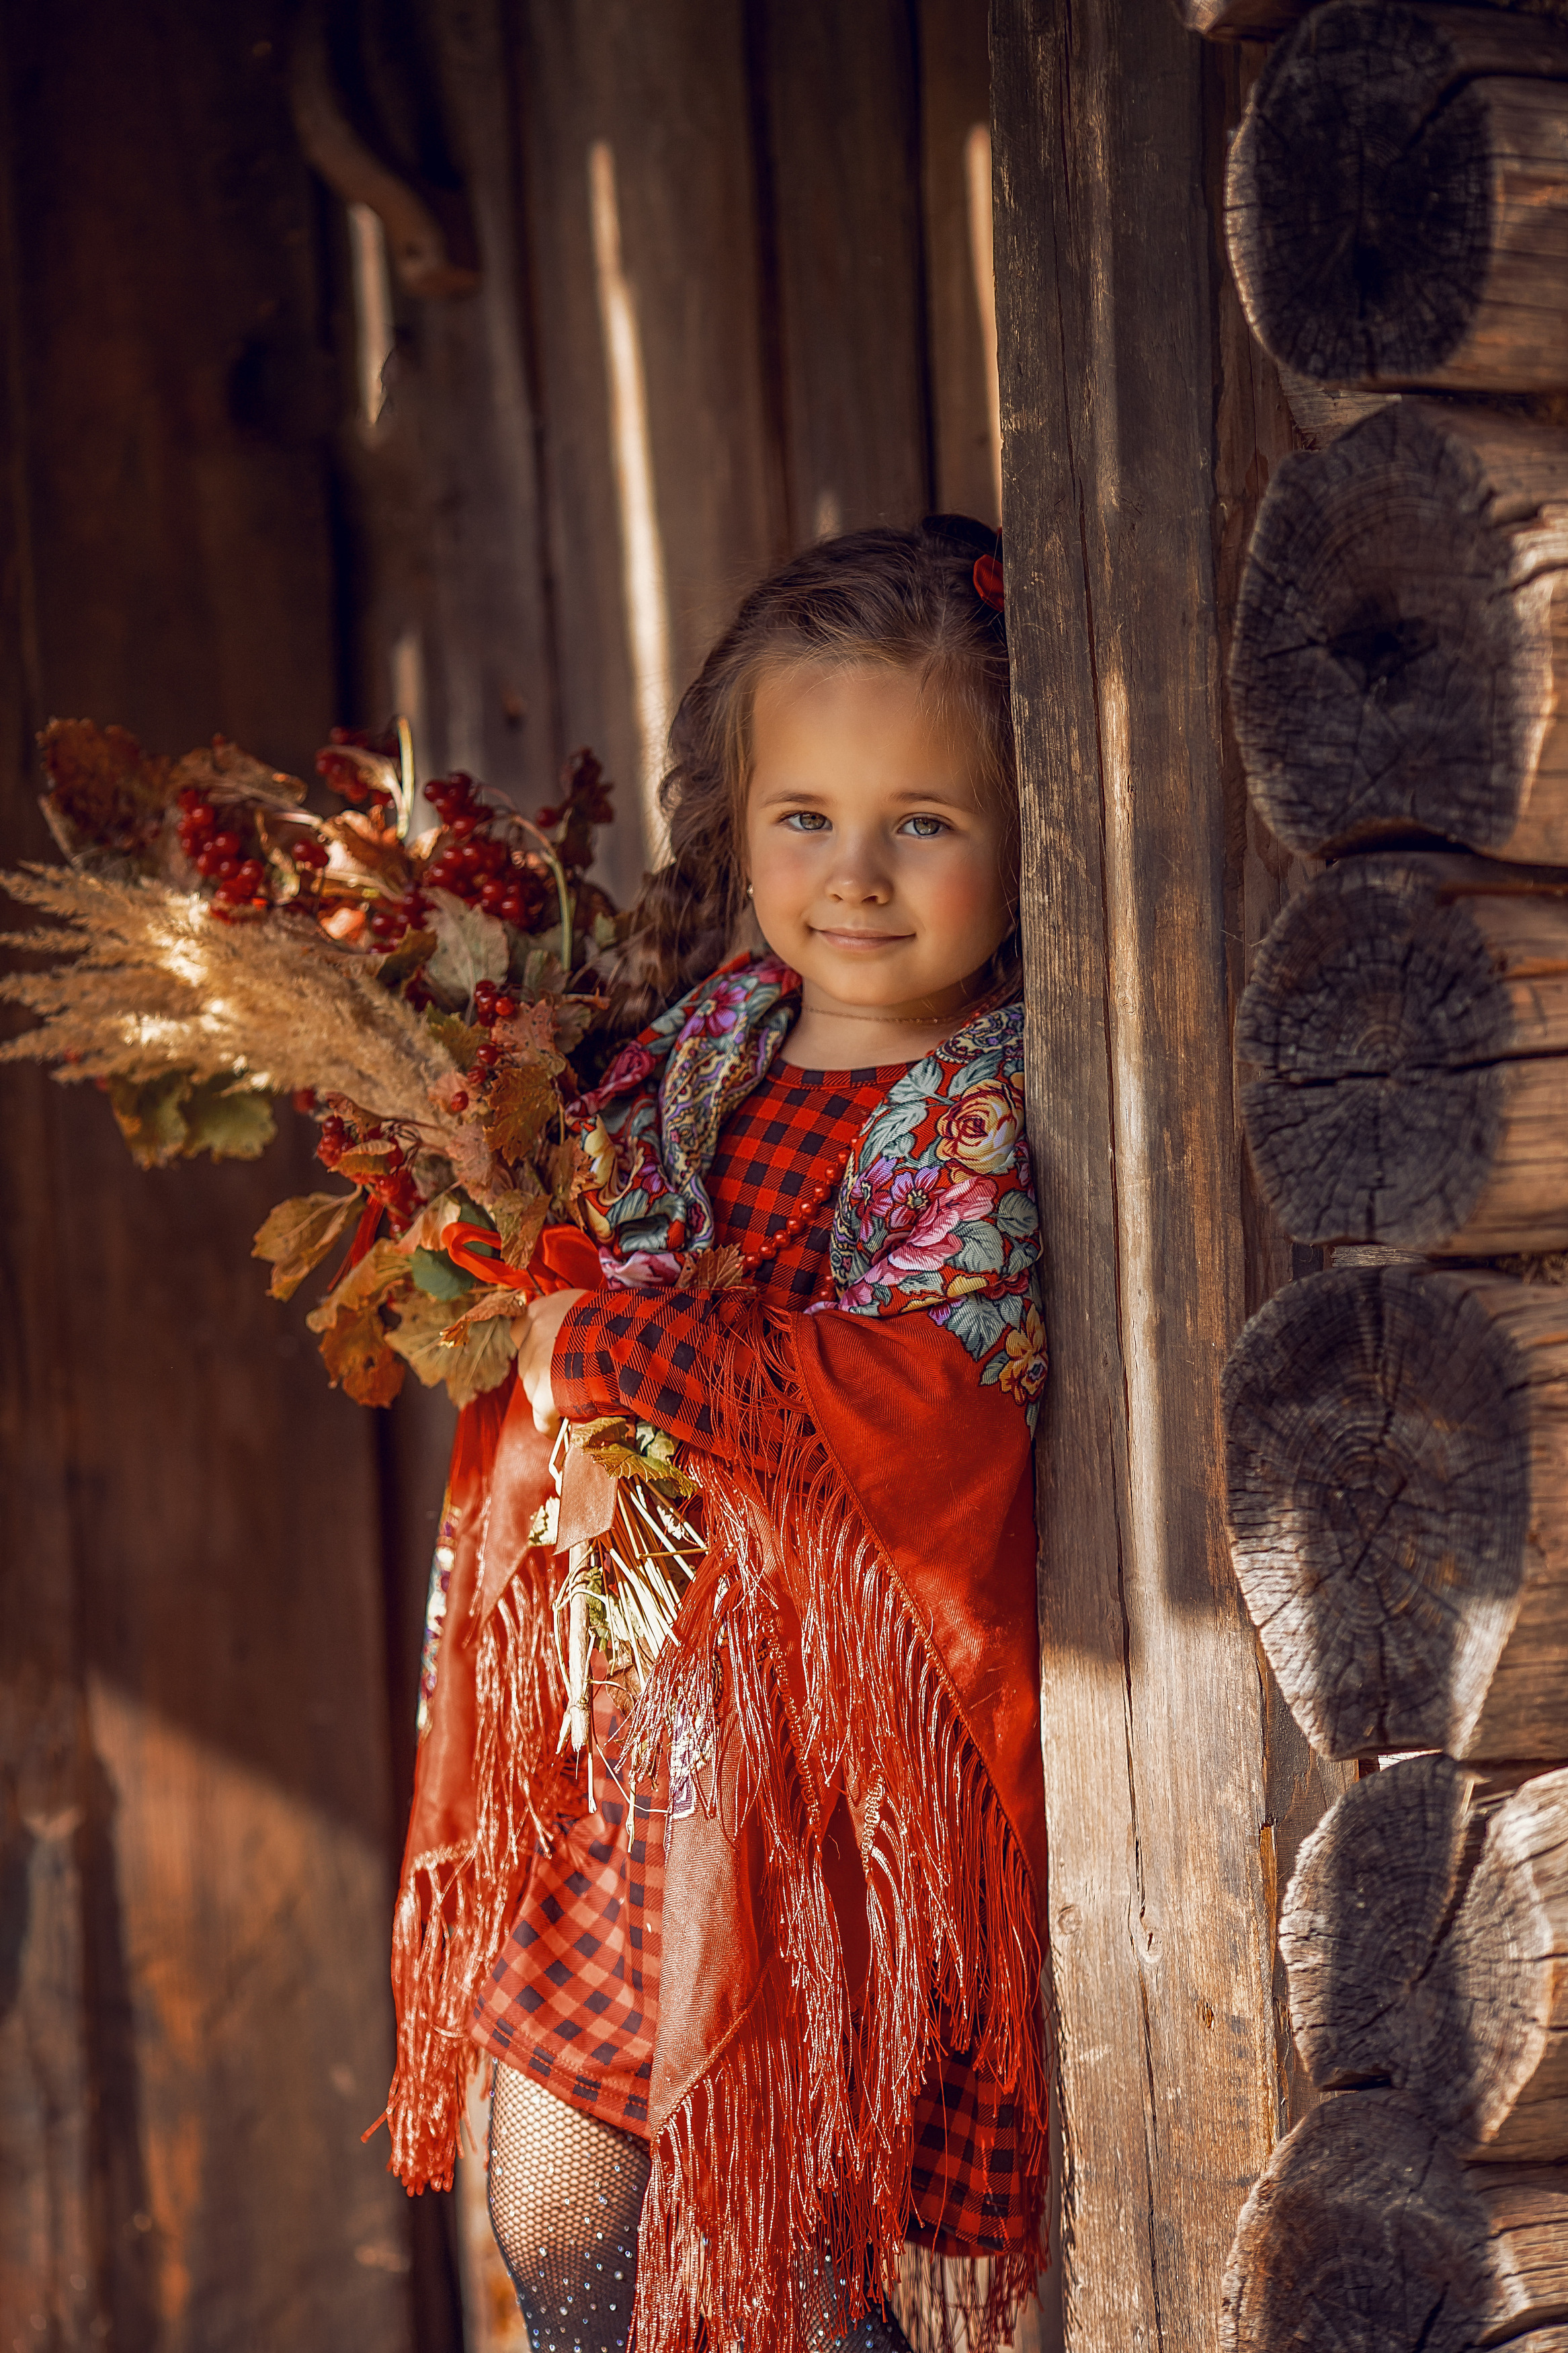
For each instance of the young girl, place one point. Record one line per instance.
(769, 2027)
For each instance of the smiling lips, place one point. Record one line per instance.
(862, 939)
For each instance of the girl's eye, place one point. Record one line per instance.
(925, 828)
(806, 821)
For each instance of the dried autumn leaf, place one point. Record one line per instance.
(358, 1360)
(467, 1372)
(485, 1310)
(414, 949)
(381, 1270)
(150, 1116)
(103, 789)
(567, 1169)
(474, 1164)
(472, 946)
(224, 772)
(363, 846)
(461, 1038)
(298, 1235)
(521, 1217)
(367, 1160)
(712, 1269)
(530, 1030)
(520, 1106)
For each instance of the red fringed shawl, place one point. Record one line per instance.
(863, 1625)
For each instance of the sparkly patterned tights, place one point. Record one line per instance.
(565, 2194)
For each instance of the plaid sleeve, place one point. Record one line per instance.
(653, 1354)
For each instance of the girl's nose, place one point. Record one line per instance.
(858, 877)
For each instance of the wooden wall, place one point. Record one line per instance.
(211, 1566)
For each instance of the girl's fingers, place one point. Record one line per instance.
(517, 1330)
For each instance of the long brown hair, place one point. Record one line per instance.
(904, 598)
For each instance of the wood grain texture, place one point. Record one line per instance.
(444, 581)
(1402, 1035)
(1400, 629)
(665, 93)
(955, 109)
(1398, 198)
(198, 2019)
(1398, 1502)
(1366, 2234)
(1423, 1937)
(840, 110)
(1155, 1718)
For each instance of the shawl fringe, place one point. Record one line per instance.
(457, 1903)
(802, 2117)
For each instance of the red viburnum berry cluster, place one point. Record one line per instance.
(474, 863)
(221, 853)
(345, 775)
(492, 1004)
(392, 1184)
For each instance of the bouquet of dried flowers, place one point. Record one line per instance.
(214, 944)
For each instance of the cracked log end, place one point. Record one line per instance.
(1366, 2234)
(1397, 631)
(1398, 199)
(1387, 1446)
(1421, 1935)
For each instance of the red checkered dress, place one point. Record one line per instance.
(573, 1999)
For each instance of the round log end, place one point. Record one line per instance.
(1378, 1491)
(1359, 197)
(1384, 677)
(1373, 1021)
(1361, 2236)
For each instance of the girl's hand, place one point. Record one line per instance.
(534, 1338)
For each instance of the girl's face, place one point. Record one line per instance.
(875, 867)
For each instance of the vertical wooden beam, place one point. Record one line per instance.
(1169, 1770)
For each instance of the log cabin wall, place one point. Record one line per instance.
(1397, 206)
(267, 467)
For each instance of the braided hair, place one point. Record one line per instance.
(928, 600)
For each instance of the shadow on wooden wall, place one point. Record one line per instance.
(733, 286)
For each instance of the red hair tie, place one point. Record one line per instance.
(988, 581)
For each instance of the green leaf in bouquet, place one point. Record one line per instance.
(471, 946)
(434, 1274)
(173, 1118)
(298, 1235)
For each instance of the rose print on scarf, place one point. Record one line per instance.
(983, 1128)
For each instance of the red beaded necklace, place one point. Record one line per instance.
(801, 1217)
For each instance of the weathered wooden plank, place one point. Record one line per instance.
(209, 1929)
(961, 305)
(661, 483)
(840, 107)
(1154, 1719)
